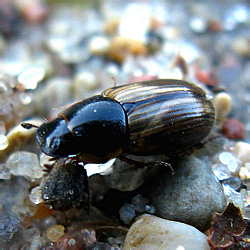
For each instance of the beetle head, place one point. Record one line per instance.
(55, 139)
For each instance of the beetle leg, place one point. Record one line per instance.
(48, 167)
(142, 164)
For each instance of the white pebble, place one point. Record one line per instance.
(36, 195)
(156, 233)
(25, 164)
(222, 104)
(244, 173)
(99, 45)
(242, 151)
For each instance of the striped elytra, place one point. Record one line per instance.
(163, 116)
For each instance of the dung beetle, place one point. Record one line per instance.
(163, 116)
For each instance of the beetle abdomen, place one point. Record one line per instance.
(164, 116)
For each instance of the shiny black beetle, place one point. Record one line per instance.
(144, 118)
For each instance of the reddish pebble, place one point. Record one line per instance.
(233, 129)
(214, 26)
(35, 12)
(206, 78)
(143, 78)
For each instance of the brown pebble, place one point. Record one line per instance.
(112, 26)
(55, 232)
(233, 129)
(214, 26)
(121, 47)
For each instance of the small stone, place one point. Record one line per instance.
(242, 151)
(193, 183)
(125, 179)
(156, 233)
(233, 196)
(34, 12)
(143, 78)
(198, 24)
(66, 186)
(233, 129)
(150, 209)
(221, 171)
(229, 159)
(99, 45)
(17, 136)
(244, 173)
(111, 27)
(54, 233)
(214, 25)
(234, 182)
(4, 172)
(222, 104)
(121, 48)
(25, 164)
(37, 243)
(31, 233)
(241, 46)
(139, 203)
(83, 83)
(9, 225)
(55, 94)
(77, 239)
(127, 213)
(36, 195)
(206, 78)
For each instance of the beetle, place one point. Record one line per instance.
(164, 116)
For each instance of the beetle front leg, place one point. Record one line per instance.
(142, 164)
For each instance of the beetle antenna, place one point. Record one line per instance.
(115, 83)
(28, 125)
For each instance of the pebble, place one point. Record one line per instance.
(56, 94)
(221, 171)
(35, 12)
(244, 173)
(9, 225)
(127, 213)
(111, 27)
(124, 178)
(234, 182)
(83, 84)
(241, 46)
(222, 104)
(17, 137)
(37, 243)
(65, 187)
(54, 233)
(233, 196)
(99, 45)
(191, 196)
(122, 47)
(242, 151)
(233, 129)
(30, 77)
(36, 195)
(25, 164)
(156, 233)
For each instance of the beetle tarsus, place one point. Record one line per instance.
(142, 164)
